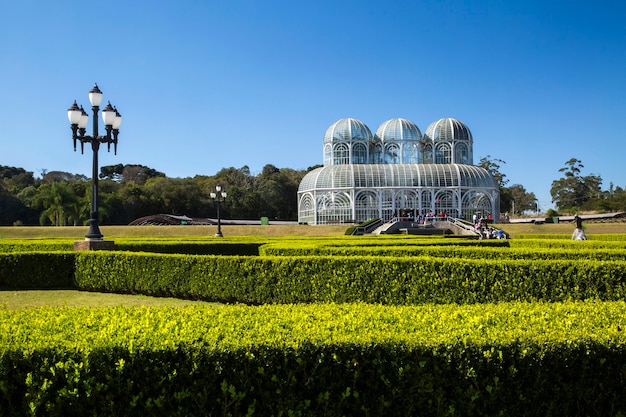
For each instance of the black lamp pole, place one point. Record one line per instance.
(78, 121)
(218, 196)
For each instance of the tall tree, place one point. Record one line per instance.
(573, 190)
(135, 173)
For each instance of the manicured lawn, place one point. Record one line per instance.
(112, 232)
(73, 298)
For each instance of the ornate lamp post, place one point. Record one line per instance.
(78, 121)
(218, 196)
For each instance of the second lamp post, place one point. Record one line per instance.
(218, 196)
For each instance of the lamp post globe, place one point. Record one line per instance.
(78, 122)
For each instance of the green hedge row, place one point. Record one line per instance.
(184, 246)
(26, 245)
(620, 237)
(448, 251)
(37, 270)
(387, 280)
(372, 279)
(191, 248)
(517, 359)
(582, 245)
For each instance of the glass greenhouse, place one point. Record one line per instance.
(396, 173)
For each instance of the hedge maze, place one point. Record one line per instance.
(343, 326)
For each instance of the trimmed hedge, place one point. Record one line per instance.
(602, 236)
(516, 359)
(191, 248)
(28, 245)
(184, 246)
(448, 251)
(582, 245)
(37, 270)
(294, 279)
(387, 280)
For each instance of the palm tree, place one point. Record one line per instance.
(58, 201)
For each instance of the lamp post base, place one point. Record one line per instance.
(94, 245)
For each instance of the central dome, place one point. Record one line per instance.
(398, 130)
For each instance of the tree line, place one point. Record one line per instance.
(128, 192)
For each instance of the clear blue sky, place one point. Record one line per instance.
(206, 84)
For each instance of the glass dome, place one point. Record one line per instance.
(447, 130)
(348, 130)
(398, 130)
(397, 142)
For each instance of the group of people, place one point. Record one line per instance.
(481, 224)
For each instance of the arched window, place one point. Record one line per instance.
(366, 206)
(341, 154)
(307, 210)
(443, 154)
(461, 154)
(359, 153)
(446, 203)
(476, 202)
(334, 207)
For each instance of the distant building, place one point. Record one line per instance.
(396, 173)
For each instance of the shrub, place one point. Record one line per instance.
(37, 270)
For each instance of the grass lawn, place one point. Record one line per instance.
(112, 232)
(73, 298)
(590, 228)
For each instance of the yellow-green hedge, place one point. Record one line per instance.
(511, 359)
(526, 251)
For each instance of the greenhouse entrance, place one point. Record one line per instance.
(443, 226)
